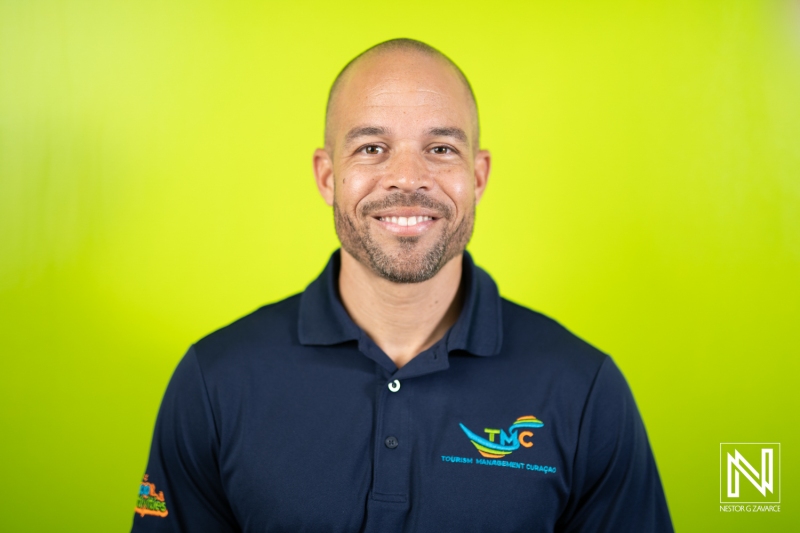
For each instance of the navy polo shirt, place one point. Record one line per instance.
(292, 419)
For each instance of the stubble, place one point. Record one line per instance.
(410, 263)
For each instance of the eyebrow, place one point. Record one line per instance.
(364, 131)
(456, 133)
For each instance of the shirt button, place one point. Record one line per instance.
(391, 442)
(394, 386)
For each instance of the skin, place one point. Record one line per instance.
(404, 156)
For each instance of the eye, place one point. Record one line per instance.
(442, 150)
(372, 149)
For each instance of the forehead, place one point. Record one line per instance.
(403, 90)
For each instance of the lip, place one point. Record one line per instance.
(384, 220)
(406, 212)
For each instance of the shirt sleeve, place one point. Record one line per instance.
(182, 489)
(616, 485)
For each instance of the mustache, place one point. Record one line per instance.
(415, 199)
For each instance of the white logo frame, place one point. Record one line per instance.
(764, 484)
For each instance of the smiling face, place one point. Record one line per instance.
(401, 166)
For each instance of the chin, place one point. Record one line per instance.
(407, 265)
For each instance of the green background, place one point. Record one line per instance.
(156, 184)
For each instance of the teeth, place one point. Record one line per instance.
(406, 221)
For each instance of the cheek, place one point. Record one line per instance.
(353, 185)
(459, 187)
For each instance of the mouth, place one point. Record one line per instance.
(406, 223)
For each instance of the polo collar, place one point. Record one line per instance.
(324, 321)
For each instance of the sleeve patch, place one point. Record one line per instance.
(149, 501)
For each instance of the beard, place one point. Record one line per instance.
(413, 262)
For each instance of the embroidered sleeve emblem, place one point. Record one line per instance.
(150, 502)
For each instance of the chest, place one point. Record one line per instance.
(360, 456)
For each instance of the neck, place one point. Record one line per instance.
(403, 319)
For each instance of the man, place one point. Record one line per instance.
(399, 392)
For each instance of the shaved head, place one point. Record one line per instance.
(383, 51)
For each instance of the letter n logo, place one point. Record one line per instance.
(750, 472)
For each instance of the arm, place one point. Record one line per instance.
(182, 491)
(616, 485)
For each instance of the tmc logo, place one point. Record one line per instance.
(749, 473)
(506, 442)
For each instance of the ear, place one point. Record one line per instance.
(323, 174)
(483, 164)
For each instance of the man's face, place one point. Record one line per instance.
(401, 166)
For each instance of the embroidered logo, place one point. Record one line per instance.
(506, 442)
(150, 502)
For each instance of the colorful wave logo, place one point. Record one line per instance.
(508, 442)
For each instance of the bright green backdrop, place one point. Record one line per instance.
(155, 184)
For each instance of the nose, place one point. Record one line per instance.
(407, 172)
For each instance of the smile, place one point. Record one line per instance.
(405, 224)
(406, 221)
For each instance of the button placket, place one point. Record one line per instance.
(393, 451)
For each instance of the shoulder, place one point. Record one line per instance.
(268, 328)
(538, 340)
